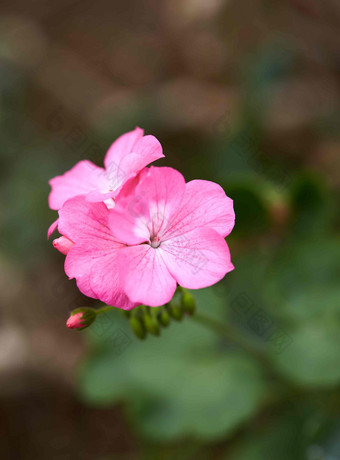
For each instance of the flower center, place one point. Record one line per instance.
(155, 242)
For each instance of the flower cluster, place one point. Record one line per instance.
(131, 233)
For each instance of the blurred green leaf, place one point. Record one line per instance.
(179, 384)
(278, 441)
(303, 280)
(251, 210)
(202, 396)
(312, 359)
(295, 431)
(311, 203)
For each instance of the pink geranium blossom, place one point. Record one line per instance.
(129, 154)
(161, 232)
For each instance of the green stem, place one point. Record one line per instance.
(232, 334)
(104, 310)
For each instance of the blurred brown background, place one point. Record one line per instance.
(74, 76)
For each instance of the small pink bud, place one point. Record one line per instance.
(81, 318)
(76, 321)
(63, 244)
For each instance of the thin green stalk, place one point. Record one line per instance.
(104, 310)
(232, 334)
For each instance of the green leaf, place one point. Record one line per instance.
(312, 358)
(303, 280)
(277, 441)
(312, 204)
(204, 397)
(250, 208)
(182, 383)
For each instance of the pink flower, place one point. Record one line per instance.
(161, 232)
(130, 153)
(75, 321)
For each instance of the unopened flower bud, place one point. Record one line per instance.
(164, 318)
(188, 303)
(63, 244)
(81, 318)
(151, 324)
(137, 327)
(176, 312)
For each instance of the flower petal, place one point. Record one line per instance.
(80, 220)
(96, 196)
(146, 204)
(145, 151)
(92, 260)
(205, 204)
(122, 146)
(81, 179)
(52, 228)
(197, 259)
(144, 276)
(95, 268)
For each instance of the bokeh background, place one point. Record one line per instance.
(245, 93)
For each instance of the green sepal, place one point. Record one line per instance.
(89, 316)
(137, 327)
(151, 324)
(164, 318)
(188, 303)
(176, 311)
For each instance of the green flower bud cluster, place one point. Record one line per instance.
(150, 320)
